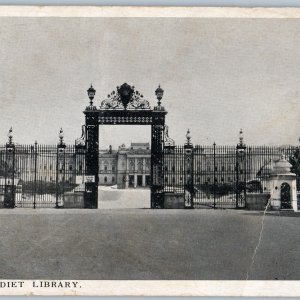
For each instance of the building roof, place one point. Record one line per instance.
(140, 144)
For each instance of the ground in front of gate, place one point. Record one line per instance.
(148, 244)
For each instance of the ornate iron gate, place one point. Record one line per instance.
(125, 106)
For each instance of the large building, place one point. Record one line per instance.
(130, 167)
(127, 167)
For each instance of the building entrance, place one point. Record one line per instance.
(140, 180)
(131, 181)
(285, 196)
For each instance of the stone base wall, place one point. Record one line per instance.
(174, 201)
(257, 201)
(74, 200)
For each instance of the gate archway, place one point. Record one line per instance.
(285, 195)
(124, 106)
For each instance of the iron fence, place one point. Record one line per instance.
(222, 176)
(36, 176)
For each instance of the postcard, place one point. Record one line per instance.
(149, 151)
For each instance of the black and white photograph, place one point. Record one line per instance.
(147, 147)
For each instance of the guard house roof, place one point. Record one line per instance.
(281, 167)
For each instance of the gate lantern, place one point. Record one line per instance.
(91, 93)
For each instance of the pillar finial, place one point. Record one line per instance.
(61, 137)
(10, 136)
(241, 137)
(188, 137)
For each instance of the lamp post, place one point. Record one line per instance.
(91, 94)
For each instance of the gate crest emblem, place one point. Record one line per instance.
(125, 98)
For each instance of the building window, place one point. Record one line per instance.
(80, 167)
(105, 168)
(166, 180)
(229, 178)
(173, 180)
(208, 168)
(113, 179)
(223, 168)
(70, 167)
(131, 165)
(208, 179)
(216, 168)
(222, 179)
(50, 167)
(45, 167)
(113, 168)
(105, 179)
(140, 165)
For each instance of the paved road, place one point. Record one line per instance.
(112, 198)
(147, 244)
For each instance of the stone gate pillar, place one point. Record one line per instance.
(157, 144)
(157, 200)
(9, 173)
(188, 172)
(92, 154)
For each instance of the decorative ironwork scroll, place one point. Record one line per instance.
(168, 141)
(81, 141)
(125, 98)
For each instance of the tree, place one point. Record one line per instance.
(294, 160)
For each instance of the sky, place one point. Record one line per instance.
(218, 75)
